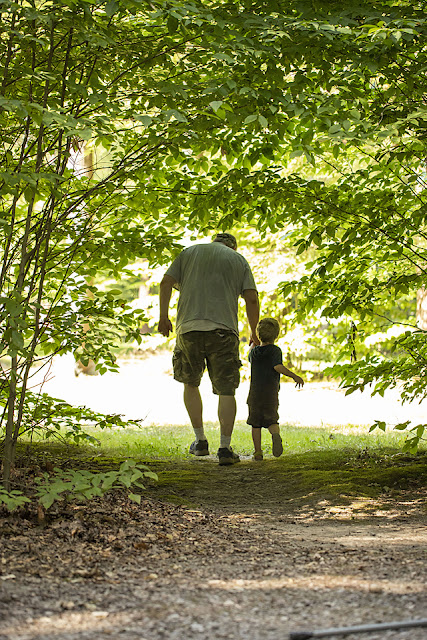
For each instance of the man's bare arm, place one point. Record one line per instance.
(250, 297)
(166, 285)
(280, 368)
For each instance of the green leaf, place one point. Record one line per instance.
(146, 120)
(151, 474)
(216, 104)
(17, 339)
(172, 24)
(111, 7)
(251, 118)
(296, 154)
(180, 117)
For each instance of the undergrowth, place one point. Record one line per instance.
(334, 463)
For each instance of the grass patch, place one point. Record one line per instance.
(172, 443)
(341, 466)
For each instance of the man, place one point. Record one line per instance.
(210, 278)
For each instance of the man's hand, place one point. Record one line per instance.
(250, 297)
(254, 340)
(299, 381)
(165, 327)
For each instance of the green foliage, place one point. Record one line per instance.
(360, 208)
(12, 499)
(125, 123)
(414, 438)
(81, 484)
(52, 418)
(85, 484)
(406, 369)
(77, 155)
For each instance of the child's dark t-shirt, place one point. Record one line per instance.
(265, 380)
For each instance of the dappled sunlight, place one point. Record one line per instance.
(348, 508)
(342, 509)
(54, 625)
(376, 533)
(327, 586)
(363, 508)
(321, 582)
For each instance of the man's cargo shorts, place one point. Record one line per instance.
(218, 350)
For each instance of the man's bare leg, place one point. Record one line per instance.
(226, 415)
(193, 404)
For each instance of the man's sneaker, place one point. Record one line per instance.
(258, 456)
(277, 444)
(227, 456)
(200, 448)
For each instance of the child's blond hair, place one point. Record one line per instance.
(268, 330)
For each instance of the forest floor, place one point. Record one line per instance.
(252, 551)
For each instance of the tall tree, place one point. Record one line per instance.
(335, 149)
(366, 218)
(100, 72)
(199, 115)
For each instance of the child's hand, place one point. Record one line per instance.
(253, 341)
(299, 382)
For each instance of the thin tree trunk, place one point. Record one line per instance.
(9, 445)
(88, 369)
(422, 308)
(12, 425)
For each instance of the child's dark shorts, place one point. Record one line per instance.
(218, 350)
(263, 415)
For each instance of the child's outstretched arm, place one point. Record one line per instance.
(287, 372)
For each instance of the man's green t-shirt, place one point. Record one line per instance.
(210, 278)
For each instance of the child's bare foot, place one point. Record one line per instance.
(277, 444)
(258, 456)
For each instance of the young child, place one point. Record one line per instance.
(263, 398)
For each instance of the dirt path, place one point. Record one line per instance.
(248, 554)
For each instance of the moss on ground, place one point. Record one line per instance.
(287, 483)
(338, 476)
